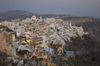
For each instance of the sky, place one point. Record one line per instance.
(73, 7)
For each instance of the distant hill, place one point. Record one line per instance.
(15, 15)
(9, 15)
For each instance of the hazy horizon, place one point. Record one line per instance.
(72, 7)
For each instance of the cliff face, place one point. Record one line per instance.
(92, 27)
(93, 57)
(78, 19)
(87, 51)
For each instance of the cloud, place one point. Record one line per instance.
(74, 7)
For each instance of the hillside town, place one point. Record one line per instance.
(37, 41)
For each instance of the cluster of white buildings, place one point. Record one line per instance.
(43, 32)
(50, 29)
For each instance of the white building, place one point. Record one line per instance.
(50, 20)
(34, 18)
(15, 26)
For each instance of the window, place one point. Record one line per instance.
(10, 50)
(5, 50)
(8, 24)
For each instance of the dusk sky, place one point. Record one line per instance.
(73, 7)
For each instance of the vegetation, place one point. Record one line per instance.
(22, 52)
(3, 56)
(91, 27)
(88, 50)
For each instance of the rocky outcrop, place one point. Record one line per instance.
(87, 51)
